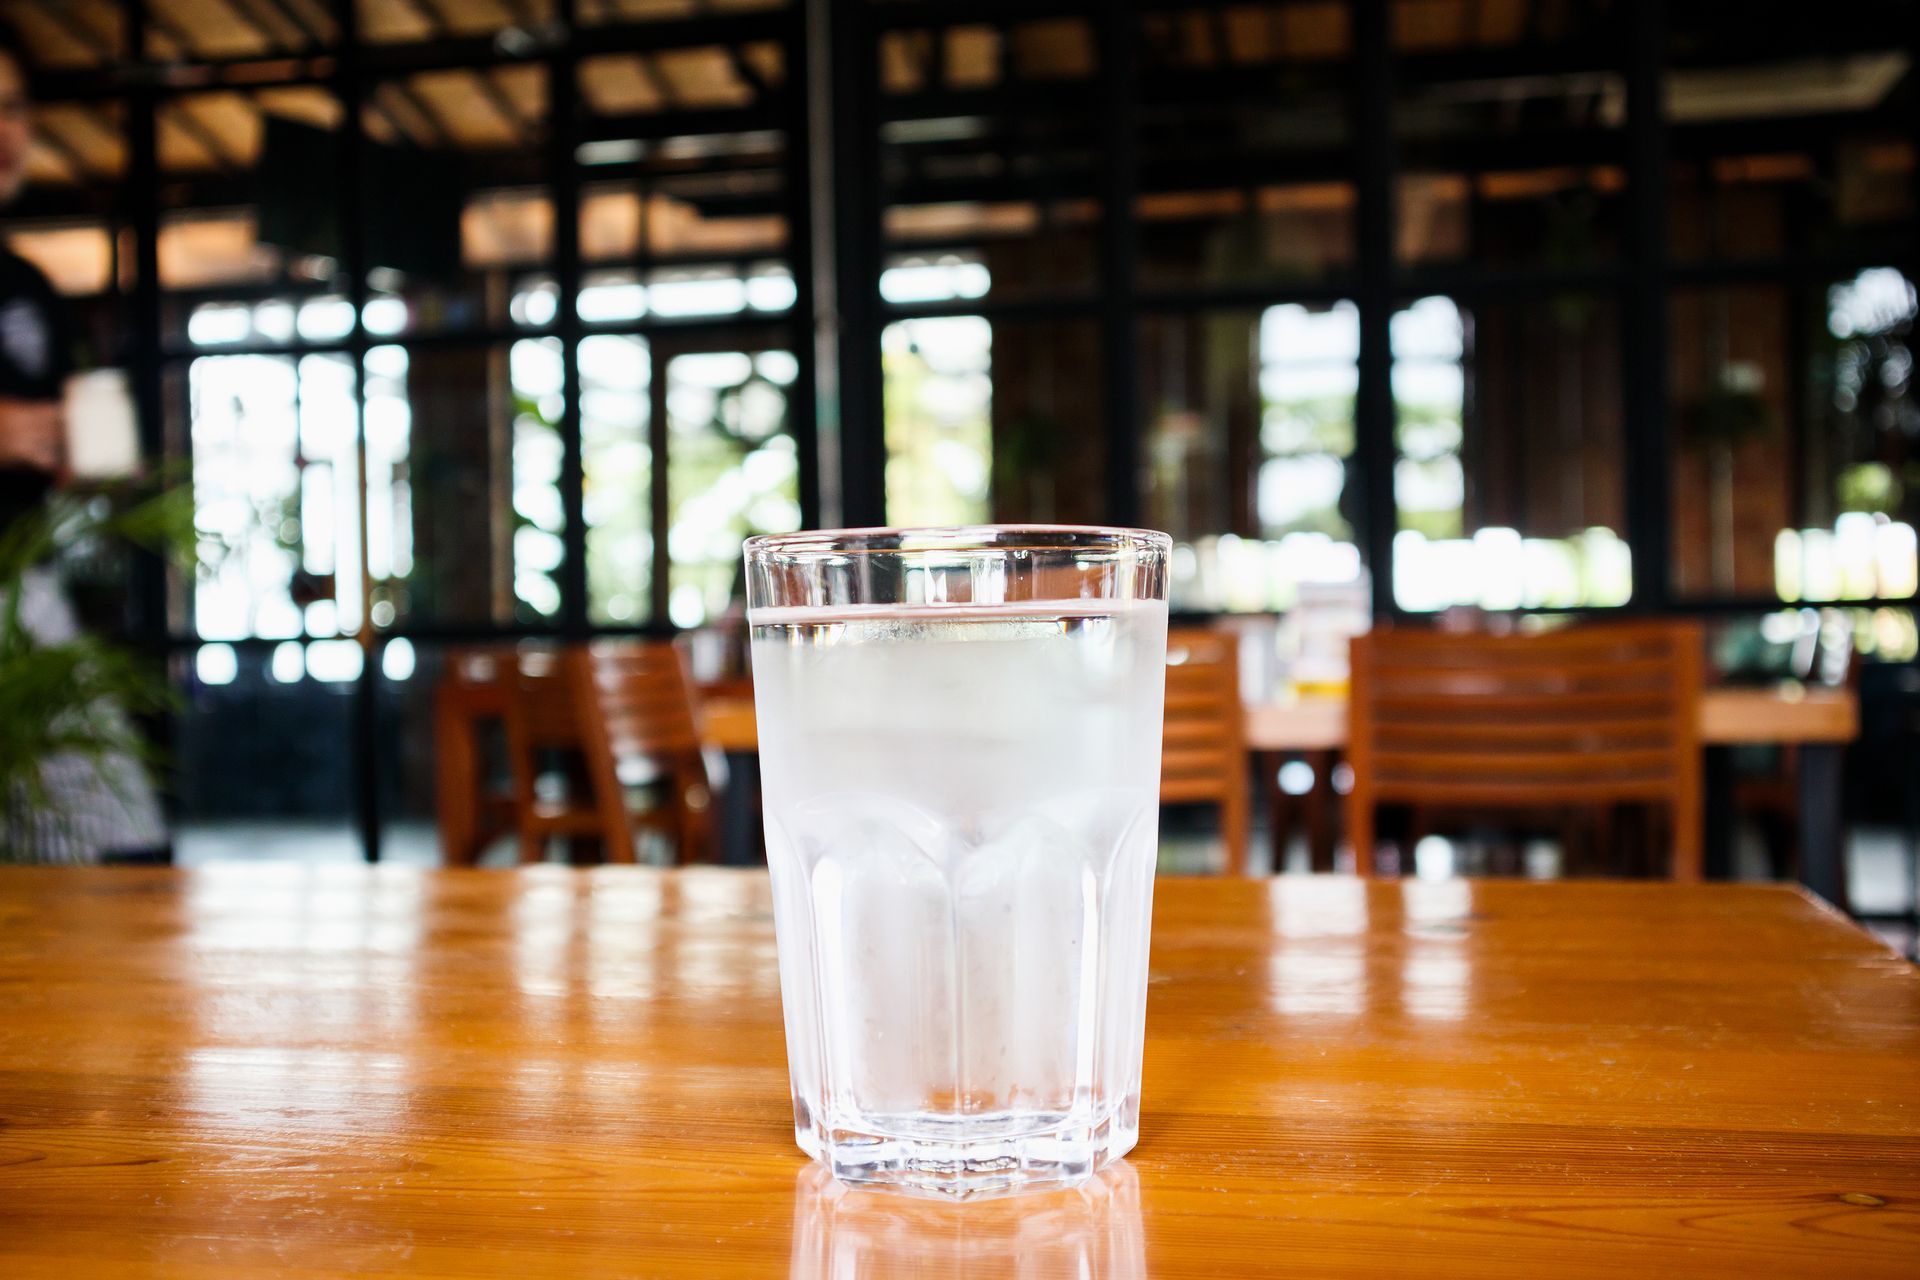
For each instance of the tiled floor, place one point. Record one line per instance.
(1880, 864)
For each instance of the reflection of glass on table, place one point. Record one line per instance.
(1089, 1232)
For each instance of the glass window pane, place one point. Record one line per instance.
(1795, 474)
(991, 149)
(249, 232)
(1499, 164)
(456, 203)
(733, 470)
(276, 495)
(1244, 145)
(1248, 449)
(939, 420)
(1508, 474)
(616, 402)
(683, 157)
(1795, 138)
(465, 519)
(1001, 418)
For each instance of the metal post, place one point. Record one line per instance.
(820, 286)
(843, 119)
(352, 211)
(1119, 255)
(149, 612)
(1373, 411)
(563, 177)
(1644, 313)
(797, 198)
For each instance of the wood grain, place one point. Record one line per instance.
(1727, 716)
(319, 1071)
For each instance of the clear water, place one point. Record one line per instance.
(962, 813)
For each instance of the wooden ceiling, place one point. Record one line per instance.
(502, 108)
(496, 108)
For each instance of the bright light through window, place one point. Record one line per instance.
(939, 428)
(397, 659)
(216, 664)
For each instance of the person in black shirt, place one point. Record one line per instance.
(86, 807)
(35, 345)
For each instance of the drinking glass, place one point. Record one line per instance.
(960, 758)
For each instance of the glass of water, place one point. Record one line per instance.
(960, 758)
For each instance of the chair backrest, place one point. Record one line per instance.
(1203, 753)
(545, 710)
(646, 698)
(1582, 716)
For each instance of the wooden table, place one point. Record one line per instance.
(1727, 716)
(283, 1070)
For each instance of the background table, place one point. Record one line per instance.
(1727, 716)
(1818, 721)
(282, 1070)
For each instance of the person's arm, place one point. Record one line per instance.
(32, 434)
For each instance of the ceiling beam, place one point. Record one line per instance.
(69, 155)
(179, 112)
(297, 20)
(747, 72)
(502, 104)
(78, 29)
(169, 30)
(438, 134)
(284, 17)
(430, 14)
(438, 29)
(643, 62)
(378, 106)
(251, 21)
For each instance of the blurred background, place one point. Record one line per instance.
(480, 321)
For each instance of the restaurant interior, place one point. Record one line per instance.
(480, 335)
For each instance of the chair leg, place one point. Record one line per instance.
(1234, 828)
(1419, 826)
(458, 795)
(691, 844)
(1689, 853)
(533, 845)
(1282, 811)
(1320, 808)
(696, 823)
(1360, 829)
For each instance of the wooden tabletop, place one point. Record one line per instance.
(1785, 714)
(263, 1071)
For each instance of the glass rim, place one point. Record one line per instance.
(889, 539)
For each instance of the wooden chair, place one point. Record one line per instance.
(1203, 756)
(1586, 717)
(469, 700)
(601, 707)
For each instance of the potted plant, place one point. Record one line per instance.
(72, 697)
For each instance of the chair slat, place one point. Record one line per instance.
(1590, 715)
(606, 703)
(1202, 756)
